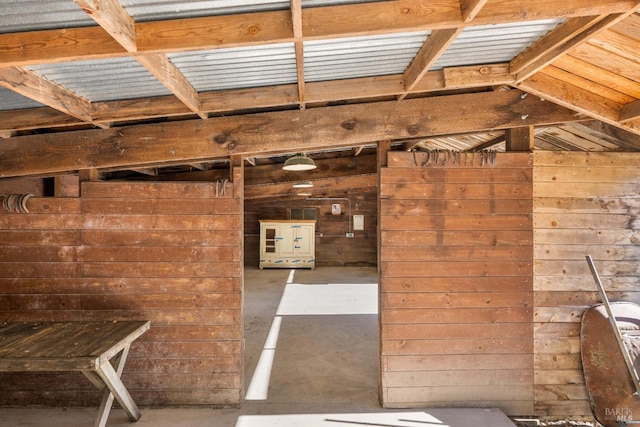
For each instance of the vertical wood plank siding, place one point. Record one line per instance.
(167, 252)
(456, 283)
(584, 203)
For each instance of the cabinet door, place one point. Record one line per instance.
(269, 240)
(303, 241)
(286, 243)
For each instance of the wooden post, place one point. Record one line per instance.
(66, 186)
(519, 139)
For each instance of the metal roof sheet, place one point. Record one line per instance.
(353, 57)
(104, 80)
(487, 44)
(243, 67)
(10, 100)
(149, 10)
(30, 15)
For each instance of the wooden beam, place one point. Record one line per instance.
(327, 168)
(470, 9)
(296, 23)
(249, 29)
(574, 97)
(560, 41)
(296, 130)
(138, 109)
(321, 187)
(128, 110)
(169, 75)
(35, 118)
(49, 46)
(32, 85)
(111, 16)
(488, 144)
(146, 171)
(519, 139)
(199, 166)
(435, 45)
(626, 140)
(486, 75)
(630, 111)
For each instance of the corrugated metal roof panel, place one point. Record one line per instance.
(10, 100)
(31, 15)
(360, 56)
(149, 10)
(104, 80)
(243, 67)
(493, 43)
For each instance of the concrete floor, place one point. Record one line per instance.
(311, 340)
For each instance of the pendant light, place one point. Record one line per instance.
(299, 163)
(303, 184)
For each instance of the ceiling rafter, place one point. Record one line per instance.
(435, 45)
(169, 75)
(536, 74)
(115, 20)
(560, 41)
(38, 47)
(586, 19)
(577, 98)
(296, 23)
(111, 16)
(32, 85)
(470, 9)
(629, 112)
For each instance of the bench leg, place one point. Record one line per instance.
(115, 389)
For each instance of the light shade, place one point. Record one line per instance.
(303, 184)
(299, 163)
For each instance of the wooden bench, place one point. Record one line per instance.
(97, 349)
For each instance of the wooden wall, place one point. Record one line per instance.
(483, 278)
(456, 283)
(170, 253)
(332, 247)
(584, 204)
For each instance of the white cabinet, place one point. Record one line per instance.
(287, 244)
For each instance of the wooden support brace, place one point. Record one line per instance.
(115, 389)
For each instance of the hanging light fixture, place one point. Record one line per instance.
(299, 163)
(303, 184)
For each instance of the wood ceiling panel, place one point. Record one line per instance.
(604, 82)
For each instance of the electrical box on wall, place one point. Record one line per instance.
(358, 222)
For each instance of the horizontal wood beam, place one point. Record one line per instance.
(256, 134)
(48, 46)
(322, 187)
(264, 97)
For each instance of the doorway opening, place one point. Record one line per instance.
(311, 336)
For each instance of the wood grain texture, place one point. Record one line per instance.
(167, 252)
(456, 283)
(583, 205)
